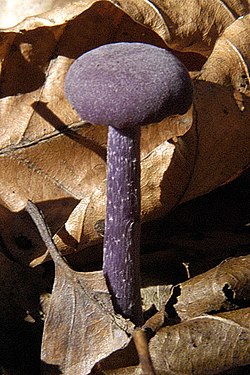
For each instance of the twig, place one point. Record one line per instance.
(44, 231)
(141, 344)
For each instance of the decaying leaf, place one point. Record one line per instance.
(15, 11)
(196, 31)
(81, 327)
(79, 330)
(229, 62)
(221, 287)
(172, 174)
(131, 370)
(202, 345)
(224, 287)
(50, 157)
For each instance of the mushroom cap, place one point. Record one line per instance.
(128, 84)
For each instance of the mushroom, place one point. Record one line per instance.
(124, 86)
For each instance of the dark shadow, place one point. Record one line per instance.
(20, 345)
(42, 109)
(120, 358)
(24, 68)
(188, 234)
(242, 370)
(192, 61)
(164, 267)
(199, 140)
(172, 315)
(47, 369)
(225, 208)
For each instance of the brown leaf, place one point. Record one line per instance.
(40, 150)
(195, 161)
(203, 345)
(81, 327)
(131, 370)
(221, 287)
(229, 62)
(14, 11)
(50, 157)
(196, 31)
(240, 317)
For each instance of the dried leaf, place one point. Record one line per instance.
(131, 370)
(81, 327)
(157, 295)
(196, 31)
(49, 157)
(240, 317)
(15, 11)
(39, 150)
(229, 62)
(203, 345)
(221, 287)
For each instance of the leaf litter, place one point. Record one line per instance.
(46, 143)
(81, 327)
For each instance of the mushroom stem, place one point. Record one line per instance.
(121, 260)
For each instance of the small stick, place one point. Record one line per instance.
(141, 344)
(45, 234)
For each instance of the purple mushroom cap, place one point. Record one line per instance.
(127, 84)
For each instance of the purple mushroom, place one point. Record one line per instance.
(124, 86)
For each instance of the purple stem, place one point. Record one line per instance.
(121, 261)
